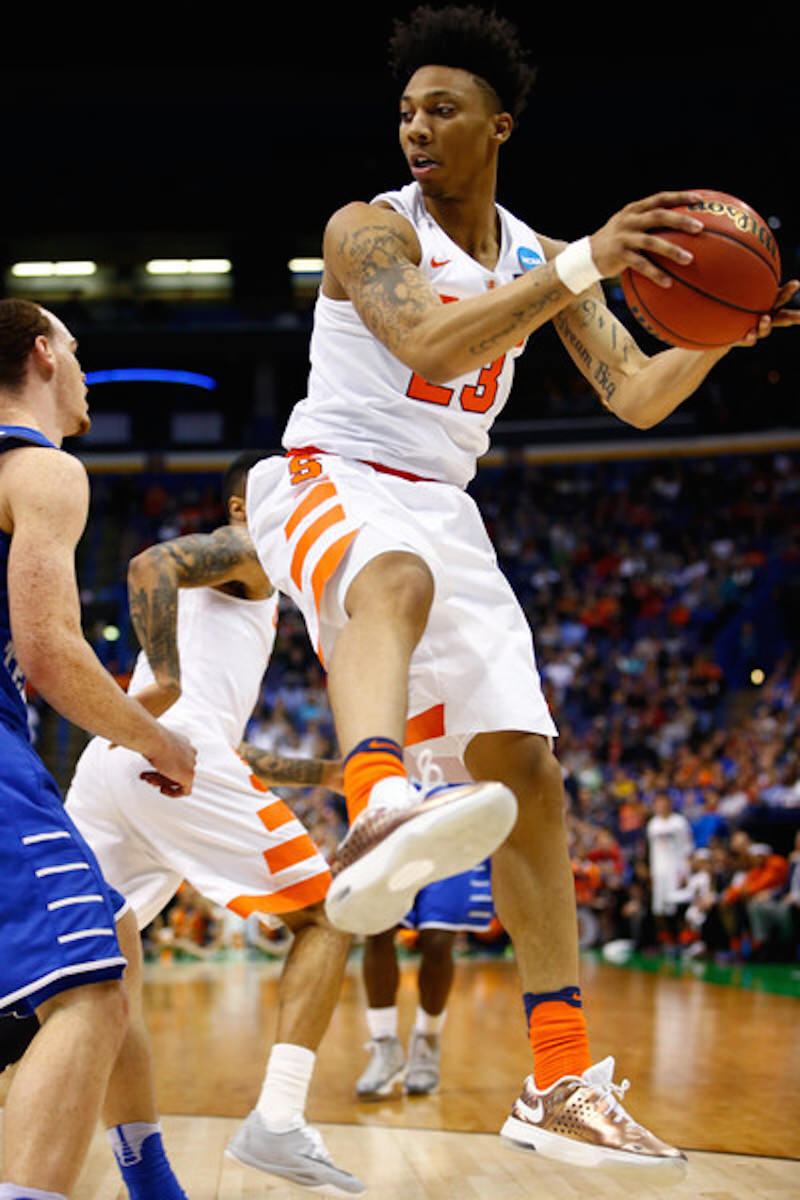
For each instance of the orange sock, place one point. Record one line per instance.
(558, 1035)
(367, 763)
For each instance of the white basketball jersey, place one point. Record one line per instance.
(224, 645)
(364, 403)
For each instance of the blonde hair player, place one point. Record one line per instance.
(428, 296)
(62, 928)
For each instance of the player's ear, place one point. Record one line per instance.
(236, 510)
(43, 356)
(503, 125)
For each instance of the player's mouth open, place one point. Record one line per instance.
(420, 163)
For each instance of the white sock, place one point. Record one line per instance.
(284, 1092)
(382, 1022)
(126, 1140)
(428, 1023)
(21, 1191)
(393, 791)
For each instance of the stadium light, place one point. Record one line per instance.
(306, 266)
(46, 270)
(188, 266)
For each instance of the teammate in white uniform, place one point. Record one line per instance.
(205, 615)
(670, 845)
(365, 523)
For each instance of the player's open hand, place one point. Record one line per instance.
(629, 237)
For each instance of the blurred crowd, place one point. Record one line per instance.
(663, 596)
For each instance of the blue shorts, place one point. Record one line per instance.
(57, 914)
(461, 902)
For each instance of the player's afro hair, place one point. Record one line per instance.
(465, 36)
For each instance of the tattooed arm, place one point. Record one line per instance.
(275, 770)
(372, 257)
(154, 578)
(638, 389)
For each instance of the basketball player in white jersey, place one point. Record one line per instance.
(428, 295)
(205, 615)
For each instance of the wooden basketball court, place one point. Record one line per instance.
(713, 1069)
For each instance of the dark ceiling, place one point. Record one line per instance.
(259, 146)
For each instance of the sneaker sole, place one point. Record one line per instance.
(583, 1154)
(376, 892)
(422, 1091)
(323, 1189)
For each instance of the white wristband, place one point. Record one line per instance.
(575, 266)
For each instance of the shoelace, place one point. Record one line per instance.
(318, 1147)
(613, 1093)
(431, 774)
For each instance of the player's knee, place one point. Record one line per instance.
(525, 763)
(315, 917)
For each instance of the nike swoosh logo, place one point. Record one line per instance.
(435, 262)
(533, 1113)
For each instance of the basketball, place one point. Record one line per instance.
(718, 297)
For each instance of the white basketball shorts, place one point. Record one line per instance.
(317, 519)
(233, 840)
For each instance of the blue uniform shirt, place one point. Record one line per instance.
(13, 708)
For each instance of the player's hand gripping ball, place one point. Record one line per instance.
(718, 297)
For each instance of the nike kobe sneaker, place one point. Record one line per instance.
(579, 1120)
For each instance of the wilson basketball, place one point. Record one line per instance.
(718, 297)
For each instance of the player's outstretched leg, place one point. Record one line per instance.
(417, 833)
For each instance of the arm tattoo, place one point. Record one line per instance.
(205, 559)
(192, 561)
(604, 330)
(278, 771)
(520, 320)
(383, 282)
(154, 615)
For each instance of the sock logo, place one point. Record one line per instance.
(124, 1152)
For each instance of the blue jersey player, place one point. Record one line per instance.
(64, 935)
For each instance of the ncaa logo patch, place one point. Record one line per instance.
(528, 258)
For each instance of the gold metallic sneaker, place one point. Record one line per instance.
(390, 853)
(579, 1120)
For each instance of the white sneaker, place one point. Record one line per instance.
(422, 1072)
(384, 1069)
(390, 853)
(298, 1155)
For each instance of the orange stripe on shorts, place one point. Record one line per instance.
(275, 815)
(290, 853)
(289, 899)
(331, 517)
(327, 565)
(317, 495)
(425, 725)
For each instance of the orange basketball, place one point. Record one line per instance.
(718, 297)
